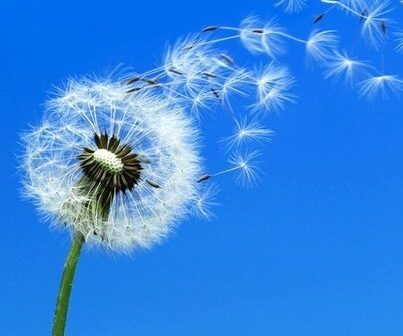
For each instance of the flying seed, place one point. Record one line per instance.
(209, 29)
(383, 27)
(228, 59)
(150, 81)
(215, 93)
(208, 74)
(203, 178)
(364, 15)
(133, 80)
(258, 31)
(176, 72)
(188, 47)
(318, 18)
(133, 90)
(154, 185)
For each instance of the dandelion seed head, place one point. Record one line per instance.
(109, 161)
(118, 168)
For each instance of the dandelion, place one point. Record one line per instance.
(349, 5)
(381, 84)
(117, 170)
(112, 151)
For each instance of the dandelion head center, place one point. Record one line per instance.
(108, 161)
(110, 165)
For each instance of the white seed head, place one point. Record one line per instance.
(120, 169)
(108, 161)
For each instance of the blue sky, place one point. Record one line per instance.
(314, 249)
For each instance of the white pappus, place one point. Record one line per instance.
(119, 169)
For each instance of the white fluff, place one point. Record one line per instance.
(156, 129)
(292, 6)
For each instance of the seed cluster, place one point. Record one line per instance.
(108, 161)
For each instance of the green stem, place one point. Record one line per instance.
(63, 298)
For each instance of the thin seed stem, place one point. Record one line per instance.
(218, 40)
(63, 298)
(265, 32)
(226, 171)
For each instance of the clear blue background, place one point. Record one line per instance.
(315, 249)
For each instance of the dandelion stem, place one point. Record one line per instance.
(63, 298)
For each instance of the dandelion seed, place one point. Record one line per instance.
(246, 166)
(375, 22)
(186, 66)
(273, 84)
(262, 39)
(236, 83)
(321, 44)
(357, 4)
(372, 14)
(341, 65)
(201, 102)
(205, 201)
(227, 59)
(203, 178)
(246, 131)
(209, 29)
(382, 84)
(243, 163)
